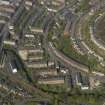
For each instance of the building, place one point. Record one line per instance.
(9, 42)
(52, 5)
(13, 66)
(37, 30)
(28, 4)
(52, 80)
(47, 72)
(82, 81)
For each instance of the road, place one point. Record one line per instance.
(97, 41)
(29, 87)
(68, 62)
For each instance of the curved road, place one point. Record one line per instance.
(68, 62)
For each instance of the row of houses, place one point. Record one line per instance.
(18, 6)
(28, 4)
(72, 80)
(6, 11)
(31, 52)
(52, 6)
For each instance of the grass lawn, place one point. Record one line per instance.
(65, 45)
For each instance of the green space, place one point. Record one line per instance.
(65, 45)
(83, 6)
(59, 94)
(57, 30)
(75, 96)
(31, 103)
(23, 16)
(4, 18)
(21, 66)
(46, 56)
(40, 20)
(55, 89)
